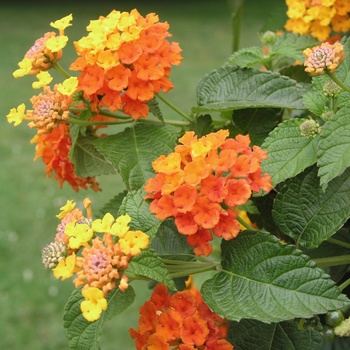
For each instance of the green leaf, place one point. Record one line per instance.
(88, 162)
(229, 88)
(170, 243)
(303, 211)
(155, 110)
(138, 209)
(289, 153)
(256, 122)
(149, 264)
(293, 45)
(114, 204)
(133, 150)
(334, 147)
(266, 280)
(315, 100)
(84, 335)
(247, 57)
(202, 125)
(274, 336)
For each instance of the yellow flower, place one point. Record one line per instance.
(25, 66)
(104, 224)
(44, 79)
(68, 87)
(121, 225)
(16, 115)
(66, 209)
(62, 23)
(65, 268)
(56, 43)
(94, 303)
(133, 241)
(79, 234)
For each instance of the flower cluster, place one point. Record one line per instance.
(203, 181)
(320, 18)
(181, 321)
(98, 262)
(323, 58)
(124, 60)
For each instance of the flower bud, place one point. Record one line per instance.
(53, 253)
(310, 128)
(331, 89)
(268, 38)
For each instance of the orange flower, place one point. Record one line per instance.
(54, 149)
(202, 180)
(128, 54)
(179, 320)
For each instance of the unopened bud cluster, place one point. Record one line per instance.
(331, 89)
(53, 253)
(310, 128)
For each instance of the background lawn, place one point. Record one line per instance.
(31, 300)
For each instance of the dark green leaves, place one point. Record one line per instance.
(266, 280)
(303, 211)
(84, 335)
(230, 88)
(274, 336)
(132, 151)
(289, 153)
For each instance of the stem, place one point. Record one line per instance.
(86, 122)
(236, 16)
(173, 107)
(344, 284)
(333, 260)
(110, 114)
(338, 82)
(244, 223)
(168, 121)
(338, 242)
(60, 69)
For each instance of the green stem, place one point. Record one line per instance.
(333, 260)
(168, 121)
(236, 7)
(87, 123)
(338, 82)
(110, 114)
(344, 284)
(244, 223)
(338, 242)
(60, 69)
(173, 107)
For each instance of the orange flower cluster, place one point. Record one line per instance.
(98, 262)
(124, 61)
(202, 182)
(181, 321)
(54, 149)
(320, 18)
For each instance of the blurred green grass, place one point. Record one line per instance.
(31, 300)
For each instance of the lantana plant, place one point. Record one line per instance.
(252, 186)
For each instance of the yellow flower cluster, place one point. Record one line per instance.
(319, 18)
(96, 251)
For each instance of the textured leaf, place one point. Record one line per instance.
(155, 110)
(138, 209)
(114, 204)
(266, 280)
(334, 147)
(275, 336)
(88, 162)
(289, 153)
(256, 122)
(84, 335)
(303, 211)
(169, 242)
(229, 88)
(133, 150)
(247, 57)
(293, 45)
(202, 125)
(149, 264)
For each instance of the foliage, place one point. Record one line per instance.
(251, 186)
